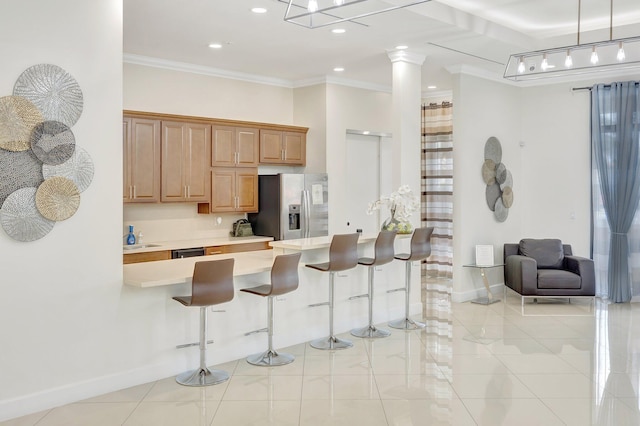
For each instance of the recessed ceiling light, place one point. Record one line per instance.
(259, 10)
(402, 47)
(338, 69)
(432, 87)
(338, 30)
(215, 45)
(366, 132)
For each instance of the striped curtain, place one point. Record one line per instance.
(437, 186)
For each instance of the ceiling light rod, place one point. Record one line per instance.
(320, 18)
(540, 53)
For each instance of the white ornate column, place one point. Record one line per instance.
(407, 99)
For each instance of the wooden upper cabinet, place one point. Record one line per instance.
(185, 161)
(234, 147)
(277, 147)
(234, 189)
(141, 160)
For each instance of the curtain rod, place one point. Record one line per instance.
(589, 88)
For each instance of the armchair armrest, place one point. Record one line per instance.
(521, 274)
(585, 268)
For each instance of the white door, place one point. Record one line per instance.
(363, 182)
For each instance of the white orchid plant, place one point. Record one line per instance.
(401, 203)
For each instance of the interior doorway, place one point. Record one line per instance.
(365, 174)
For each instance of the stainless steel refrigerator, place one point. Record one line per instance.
(291, 206)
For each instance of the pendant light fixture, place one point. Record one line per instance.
(321, 13)
(580, 59)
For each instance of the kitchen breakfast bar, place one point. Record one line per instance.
(295, 321)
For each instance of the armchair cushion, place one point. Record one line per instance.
(557, 278)
(548, 253)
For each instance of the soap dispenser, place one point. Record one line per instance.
(131, 237)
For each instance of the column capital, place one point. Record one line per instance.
(404, 56)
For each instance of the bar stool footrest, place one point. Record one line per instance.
(202, 377)
(270, 359)
(360, 296)
(370, 332)
(397, 289)
(315, 305)
(406, 324)
(330, 343)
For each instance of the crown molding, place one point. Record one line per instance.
(204, 70)
(342, 82)
(405, 56)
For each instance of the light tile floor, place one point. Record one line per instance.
(550, 363)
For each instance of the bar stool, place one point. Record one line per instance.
(383, 254)
(212, 284)
(284, 279)
(343, 255)
(420, 250)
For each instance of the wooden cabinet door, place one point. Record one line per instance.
(247, 190)
(141, 162)
(223, 190)
(173, 161)
(271, 146)
(247, 147)
(294, 148)
(197, 179)
(223, 146)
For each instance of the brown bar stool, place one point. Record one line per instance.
(343, 255)
(420, 250)
(383, 254)
(284, 279)
(212, 284)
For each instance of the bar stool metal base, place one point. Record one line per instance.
(270, 359)
(370, 332)
(407, 324)
(330, 343)
(202, 377)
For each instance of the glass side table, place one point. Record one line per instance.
(489, 299)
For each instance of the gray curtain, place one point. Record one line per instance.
(614, 136)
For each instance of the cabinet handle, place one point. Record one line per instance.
(237, 157)
(134, 191)
(282, 154)
(130, 191)
(188, 191)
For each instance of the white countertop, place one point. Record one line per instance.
(149, 246)
(180, 271)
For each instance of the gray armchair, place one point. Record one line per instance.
(547, 268)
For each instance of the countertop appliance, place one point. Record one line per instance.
(292, 206)
(189, 252)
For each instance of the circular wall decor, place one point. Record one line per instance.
(18, 117)
(79, 169)
(53, 91)
(52, 142)
(57, 198)
(499, 181)
(19, 170)
(20, 218)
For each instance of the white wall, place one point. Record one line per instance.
(310, 108)
(349, 108)
(483, 109)
(63, 319)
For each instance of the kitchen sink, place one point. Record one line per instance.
(139, 246)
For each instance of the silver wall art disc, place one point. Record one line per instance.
(18, 117)
(500, 211)
(492, 194)
(18, 170)
(493, 150)
(501, 173)
(20, 218)
(52, 142)
(79, 169)
(53, 91)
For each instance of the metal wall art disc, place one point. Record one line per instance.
(489, 172)
(79, 169)
(508, 181)
(492, 194)
(20, 218)
(53, 91)
(501, 173)
(18, 117)
(19, 170)
(52, 142)
(500, 211)
(493, 150)
(507, 197)
(57, 198)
